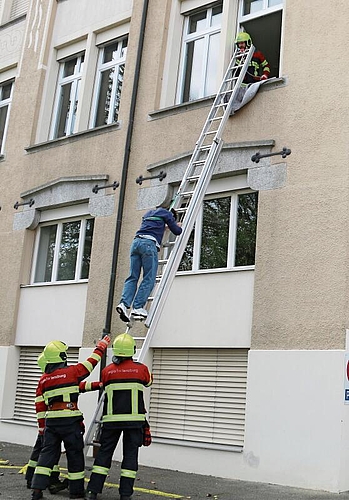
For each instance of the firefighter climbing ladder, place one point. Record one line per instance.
(188, 199)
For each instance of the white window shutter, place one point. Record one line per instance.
(28, 377)
(19, 8)
(199, 395)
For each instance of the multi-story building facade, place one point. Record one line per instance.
(250, 352)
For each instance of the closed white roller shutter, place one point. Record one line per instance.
(199, 395)
(19, 8)
(28, 377)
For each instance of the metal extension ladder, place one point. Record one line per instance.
(187, 202)
(193, 187)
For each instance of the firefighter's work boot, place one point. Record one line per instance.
(58, 486)
(37, 494)
(90, 495)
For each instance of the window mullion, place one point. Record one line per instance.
(100, 68)
(197, 240)
(55, 262)
(233, 228)
(73, 91)
(182, 62)
(232, 232)
(35, 255)
(80, 251)
(204, 66)
(113, 94)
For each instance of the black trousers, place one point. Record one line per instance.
(34, 460)
(70, 431)
(131, 441)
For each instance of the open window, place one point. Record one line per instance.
(67, 96)
(262, 19)
(109, 79)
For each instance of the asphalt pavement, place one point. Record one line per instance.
(153, 484)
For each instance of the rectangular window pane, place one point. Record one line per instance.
(216, 16)
(110, 52)
(70, 67)
(251, 6)
(3, 116)
(215, 233)
(105, 89)
(75, 107)
(86, 257)
(211, 71)
(120, 79)
(193, 75)
(64, 108)
(187, 259)
(6, 91)
(43, 271)
(272, 3)
(246, 229)
(197, 22)
(68, 251)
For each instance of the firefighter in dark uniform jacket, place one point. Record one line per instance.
(124, 412)
(57, 393)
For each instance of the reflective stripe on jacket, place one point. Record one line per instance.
(124, 384)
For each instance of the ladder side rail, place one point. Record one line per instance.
(93, 425)
(226, 80)
(243, 71)
(177, 253)
(213, 111)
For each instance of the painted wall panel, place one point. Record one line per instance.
(51, 312)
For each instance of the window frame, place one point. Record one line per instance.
(101, 67)
(75, 90)
(265, 10)
(232, 234)
(192, 37)
(6, 103)
(272, 46)
(58, 239)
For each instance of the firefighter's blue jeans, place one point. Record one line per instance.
(143, 257)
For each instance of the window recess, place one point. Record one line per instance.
(224, 236)
(109, 80)
(199, 54)
(67, 96)
(262, 19)
(63, 251)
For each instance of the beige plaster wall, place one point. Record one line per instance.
(301, 267)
